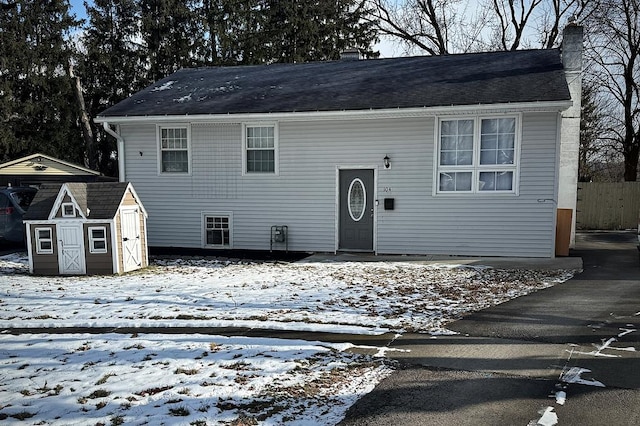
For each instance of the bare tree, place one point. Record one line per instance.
(516, 20)
(439, 27)
(433, 26)
(614, 50)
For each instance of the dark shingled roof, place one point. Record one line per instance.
(102, 199)
(427, 81)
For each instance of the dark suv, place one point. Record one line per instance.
(14, 201)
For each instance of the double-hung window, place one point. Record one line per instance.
(97, 239)
(478, 155)
(260, 149)
(217, 230)
(174, 149)
(44, 241)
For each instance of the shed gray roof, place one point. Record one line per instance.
(427, 81)
(102, 199)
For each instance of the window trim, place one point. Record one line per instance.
(159, 128)
(39, 249)
(203, 221)
(68, 204)
(92, 240)
(476, 168)
(276, 148)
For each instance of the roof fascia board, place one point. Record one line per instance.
(551, 106)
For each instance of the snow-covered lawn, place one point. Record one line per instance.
(203, 379)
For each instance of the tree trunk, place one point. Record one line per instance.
(90, 158)
(631, 163)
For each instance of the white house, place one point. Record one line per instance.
(459, 154)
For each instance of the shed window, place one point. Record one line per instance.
(174, 149)
(68, 210)
(217, 231)
(261, 149)
(478, 155)
(44, 241)
(97, 239)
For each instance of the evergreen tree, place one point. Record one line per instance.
(172, 35)
(233, 32)
(317, 30)
(111, 67)
(37, 107)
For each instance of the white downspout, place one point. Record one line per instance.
(108, 129)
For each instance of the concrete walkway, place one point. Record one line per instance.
(508, 362)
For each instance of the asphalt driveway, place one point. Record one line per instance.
(565, 355)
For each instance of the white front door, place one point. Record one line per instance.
(70, 248)
(131, 245)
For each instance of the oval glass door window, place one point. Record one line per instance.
(357, 199)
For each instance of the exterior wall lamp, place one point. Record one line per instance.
(387, 162)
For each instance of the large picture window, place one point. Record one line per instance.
(261, 149)
(174, 149)
(217, 230)
(477, 155)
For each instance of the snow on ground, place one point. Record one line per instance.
(203, 379)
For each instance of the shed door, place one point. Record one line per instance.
(356, 210)
(131, 245)
(70, 248)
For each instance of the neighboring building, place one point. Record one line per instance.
(86, 228)
(455, 154)
(37, 169)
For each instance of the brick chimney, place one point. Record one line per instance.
(350, 54)
(571, 51)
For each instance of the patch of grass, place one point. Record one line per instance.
(25, 392)
(187, 371)
(50, 391)
(244, 420)
(179, 411)
(153, 391)
(87, 364)
(117, 420)
(136, 346)
(23, 415)
(104, 379)
(85, 347)
(184, 391)
(174, 401)
(198, 423)
(101, 405)
(99, 393)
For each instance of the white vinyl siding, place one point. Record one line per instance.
(173, 144)
(477, 155)
(44, 241)
(303, 195)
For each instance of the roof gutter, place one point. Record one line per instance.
(120, 140)
(375, 114)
